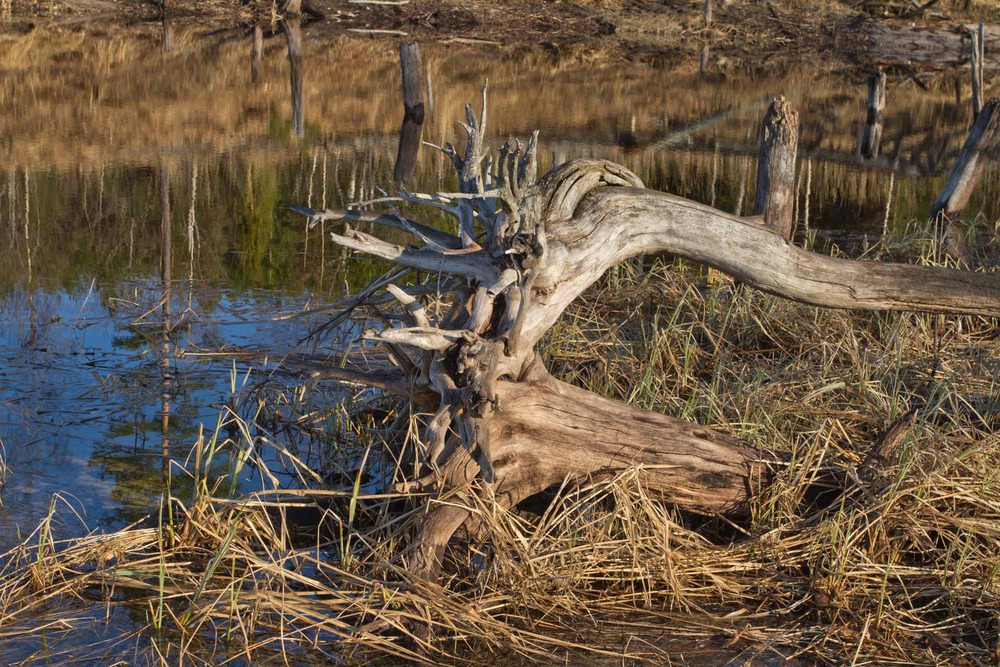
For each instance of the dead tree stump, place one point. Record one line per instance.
(293, 36)
(255, 52)
(976, 63)
(871, 143)
(411, 132)
(779, 140)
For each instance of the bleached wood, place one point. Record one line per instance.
(474, 265)
(411, 304)
(497, 413)
(779, 141)
(255, 52)
(425, 338)
(421, 231)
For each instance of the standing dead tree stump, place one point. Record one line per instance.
(292, 28)
(977, 59)
(871, 142)
(779, 143)
(256, 49)
(487, 409)
(411, 132)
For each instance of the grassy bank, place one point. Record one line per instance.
(901, 568)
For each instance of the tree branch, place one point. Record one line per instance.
(419, 230)
(475, 265)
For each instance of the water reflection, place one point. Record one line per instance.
(411, 133)
(255, 52)
(871, 144)
(103, 304)
(293, 37)
(167, 25)
(166, 242)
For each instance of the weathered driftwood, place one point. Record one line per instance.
(980, 146)
(871, 143)
(411, 132)
(523, 251)
(779, 143)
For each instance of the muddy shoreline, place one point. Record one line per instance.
(745, 35)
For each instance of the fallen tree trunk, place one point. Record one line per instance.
(980, 146)
(880, 42)
(490, 417)
(550, 431)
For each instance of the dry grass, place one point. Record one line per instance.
(899, 571)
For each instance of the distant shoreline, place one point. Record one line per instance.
(746, 34)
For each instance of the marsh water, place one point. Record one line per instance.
(151, 271)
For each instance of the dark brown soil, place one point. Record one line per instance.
(745, 34)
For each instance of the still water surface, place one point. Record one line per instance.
(144, 214)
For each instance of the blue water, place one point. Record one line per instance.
(82, 384)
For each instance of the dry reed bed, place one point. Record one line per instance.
(902, 570)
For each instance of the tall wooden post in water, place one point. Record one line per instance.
(411, 132)
(871, 143)
(779, 141)
(255, 52)
(976, 60)
(293, 35)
